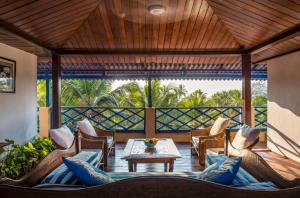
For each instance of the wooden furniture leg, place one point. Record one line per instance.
(134, 167)
(171, 166)
(130, 166)
(166, 166)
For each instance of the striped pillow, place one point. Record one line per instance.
(242, 178)
(62, 175)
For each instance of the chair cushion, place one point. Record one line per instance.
(245, 137)
(86, 127)
(222, 173)
(219, 125)
(62, 136)
(62, 175)
(88, 174)
(242, 178)
(110, 141)
(195, 141)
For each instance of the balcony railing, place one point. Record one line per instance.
(187, 119)
(115, 119)
(167, 120)
(260, 117)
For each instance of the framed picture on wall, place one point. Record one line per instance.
(7, 75)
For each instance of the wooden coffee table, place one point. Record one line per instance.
(136, 152)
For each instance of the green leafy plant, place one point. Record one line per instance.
(20, 159)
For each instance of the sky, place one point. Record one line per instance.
(207, 86)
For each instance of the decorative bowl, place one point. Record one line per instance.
(150, 142)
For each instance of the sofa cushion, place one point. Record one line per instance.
(242, 177)
(221, 173)
(60, 187)
(88, 174)
(62, 175)
(260, 186)
(245, 137)
(86, 127)
(125, 175)
(219, 125)
(62, 136)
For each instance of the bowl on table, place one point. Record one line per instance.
(150, 142)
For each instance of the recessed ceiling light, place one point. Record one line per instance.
(156, 9)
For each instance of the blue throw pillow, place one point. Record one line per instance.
(221, 172)
(86, 173)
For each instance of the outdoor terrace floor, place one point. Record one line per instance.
(286, 167)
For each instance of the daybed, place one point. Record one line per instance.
(172, 185)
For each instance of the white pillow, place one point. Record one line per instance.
(245, 137)
(86, 127)
(62, 136)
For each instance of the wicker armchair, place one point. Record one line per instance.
(203, 139)
(108, 139)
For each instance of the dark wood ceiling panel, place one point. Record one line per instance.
(168, 62)
(51, 22)
(127, 24)
(278, 49)
(21, 44)
(252, 22)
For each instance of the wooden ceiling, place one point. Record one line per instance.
(127, 25)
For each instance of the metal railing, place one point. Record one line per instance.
(260, 117)
(187, 119)
(113, 119)
(168, 120)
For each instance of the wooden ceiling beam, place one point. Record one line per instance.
(288, 34)
(204, 52)
(15, 32)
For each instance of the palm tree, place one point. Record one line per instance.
(87, 93)
(195, 99)
(133, 95)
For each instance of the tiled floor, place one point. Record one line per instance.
(286, 167)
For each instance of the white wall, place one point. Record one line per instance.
(284, 105)
(18, 111)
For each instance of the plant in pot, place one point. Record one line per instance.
(18, 159)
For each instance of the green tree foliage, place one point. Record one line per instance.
(195, 99)
(100, 93)
(259, 101)
(226, 98)
(87, 93)
(133, 95)
(41, 93)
